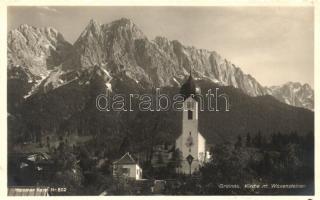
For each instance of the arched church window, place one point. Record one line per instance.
(189, 114)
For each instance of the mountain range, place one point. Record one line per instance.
(121, 46)
(49, 78)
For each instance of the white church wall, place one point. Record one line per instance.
(190, 142)
(201, 148)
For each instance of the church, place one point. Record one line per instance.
(191, 144)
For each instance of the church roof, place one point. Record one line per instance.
(188, 88)
(125, 160)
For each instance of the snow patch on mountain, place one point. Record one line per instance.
(119, 49)
(295, 94)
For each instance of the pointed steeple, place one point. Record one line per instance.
(189, 87)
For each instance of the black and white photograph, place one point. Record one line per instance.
(160, 100)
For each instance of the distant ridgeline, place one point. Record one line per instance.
(260, 135)
(56, 93)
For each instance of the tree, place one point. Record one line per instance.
(68, 171)
(258, 140)
(238, 144)
(125, 146)
(48, 142)
(228, 165)
(121, 184)
(248, 140)
(176, 158)
(160, 159)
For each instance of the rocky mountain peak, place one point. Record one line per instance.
(120, 47)
(126, 27)
(161, 40)
(93, 22)
(113, 42)
(25, 27)
(159, 62)
(307, 86)
(123, 21)
(29, 31)
(92, 28)
(38, 50)
(294, 93)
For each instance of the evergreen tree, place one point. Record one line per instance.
(258, 140)
(175, 161)
(48, 142)
(238, 144)
(248, 142)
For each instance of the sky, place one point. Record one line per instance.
(273, 44)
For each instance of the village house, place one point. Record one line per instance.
(127, 166)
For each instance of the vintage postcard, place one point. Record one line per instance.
(135, 100)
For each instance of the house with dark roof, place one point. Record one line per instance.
(128, 167)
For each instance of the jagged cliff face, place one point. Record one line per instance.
(294, 93)
(159, 62)
(53, 85)
(121, 49)
(36, 55)
(38, 49)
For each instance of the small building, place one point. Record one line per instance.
(127, 166)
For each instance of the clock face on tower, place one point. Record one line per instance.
(189, 142)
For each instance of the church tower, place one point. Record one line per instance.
(190, 143)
